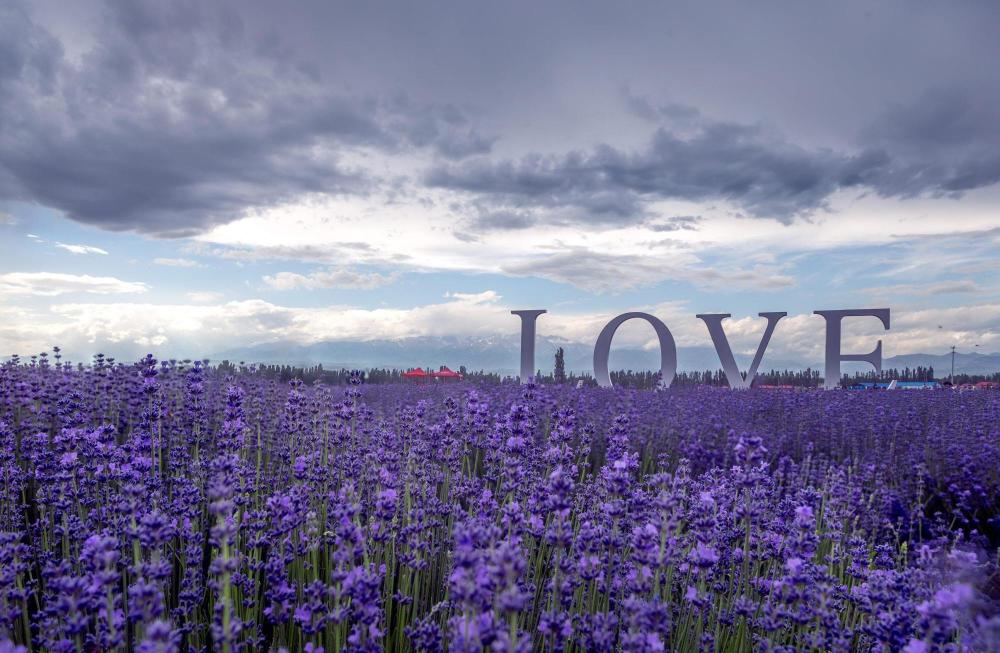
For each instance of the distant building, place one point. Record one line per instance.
(416, 374)
(444, 373)
(917, 385)
(895, 385)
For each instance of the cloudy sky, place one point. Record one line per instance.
(186, 177)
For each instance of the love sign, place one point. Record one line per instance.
(737, 380)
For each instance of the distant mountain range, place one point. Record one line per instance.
(502, 353)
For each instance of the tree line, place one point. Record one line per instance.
(636, 379)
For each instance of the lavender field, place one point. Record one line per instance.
(167, 507)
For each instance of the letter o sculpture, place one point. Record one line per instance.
(668, 349)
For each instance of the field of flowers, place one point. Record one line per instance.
(161, 507)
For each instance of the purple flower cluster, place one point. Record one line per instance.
(169, 506)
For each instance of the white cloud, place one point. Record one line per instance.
(434, 230)
(192, 329)
(332, 278)
(51, 284)
(421, 235)
(201, 330)
(204, 296)
(7, 218)
(177, 262)
(85, 328)
(81, 249)
(485, 297)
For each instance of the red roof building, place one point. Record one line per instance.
(415, 374)
(445, 373)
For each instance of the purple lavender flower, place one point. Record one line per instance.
(170, 506)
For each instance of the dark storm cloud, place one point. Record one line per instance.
(941, 144)
(445, 129)
(575, 181)
(26, 56)
(177, 120)
(764, 176)
(170, 117)
(25, 52)
(947, 141)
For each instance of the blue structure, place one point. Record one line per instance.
(895, 385)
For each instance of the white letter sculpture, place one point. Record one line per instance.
(528, 319)
(668, 349)
(714, 323)
(833, 355)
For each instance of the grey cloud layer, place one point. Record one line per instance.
(179, 119)
(764, 176)
(939, 145)
(946, 141)
(172, 117)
